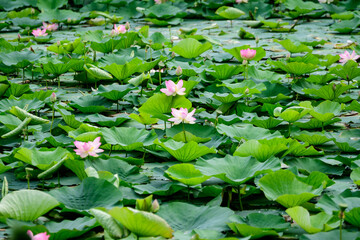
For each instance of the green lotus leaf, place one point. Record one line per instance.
(348, 71)
(301, 6)
(309, 165)
(246, 131)
(41, 158)
(283, 186)
(296, 68)
(26, 205)
(124, 71)
(84, 133)
(157, 187)
(291, 115)
(91, 104)
(261, 149)
(158, 104)
(68, 229)
(125, 171)
(325, 111)
(114, 92)
(265, 122)
(128, 138)
(343, 15)
(258, 225)
(59, 15)
(97, 73)
(260, 52)
(188, 217)
(248, 85)
(345, 143)
(321, 222)
(354, 106)
(229, 12)
(164, 11)
(184, 152)
(314, 123)
(56, 68)
(186, 173)
(19, 59)
(224, 71)
(227, 97)
(144, 118)
(45, 5)
(91, 193)
(355, 176)
(329, 92)
(110, 225)
(345, 26)
(332, 235)
(144, 224)
(292, 47)
(236, 170)
(191, 48)
(313, 138)
(165, 22)
(107, 121)
(298, 149)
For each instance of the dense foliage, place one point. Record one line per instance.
(179, 119)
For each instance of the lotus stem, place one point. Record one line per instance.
(52, 117)
(240, 201)
(110, 149)
(188, 193)
(183, 126)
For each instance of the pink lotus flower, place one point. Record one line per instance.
(182, 115)
(248, 54)
(90, 148)
(50, 27)
(39, 33)
(158, 1)
(118, 29)
(241, 1)
(172, 89)
(346, 56)
(39, 236)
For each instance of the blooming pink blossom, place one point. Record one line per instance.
(39, 236)
(39, 33)
(248, 54)
(182, 115)
(90, 148)
(118, 29)
(241, 1)
(158, 1)
(173, 89)
(346, 56)
(50, 27)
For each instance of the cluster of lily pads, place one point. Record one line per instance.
(112, 128)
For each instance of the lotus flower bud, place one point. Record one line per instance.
(58, 43)
(172, 54)
(247, 90)
(127, 26)
(155, 206)
(178, 71)
(53, 97)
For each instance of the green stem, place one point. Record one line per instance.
(110, 149)
(188, 193)
(240, 201)
(52, 118)
(183, 126)
(23, 70)
(340, 228)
